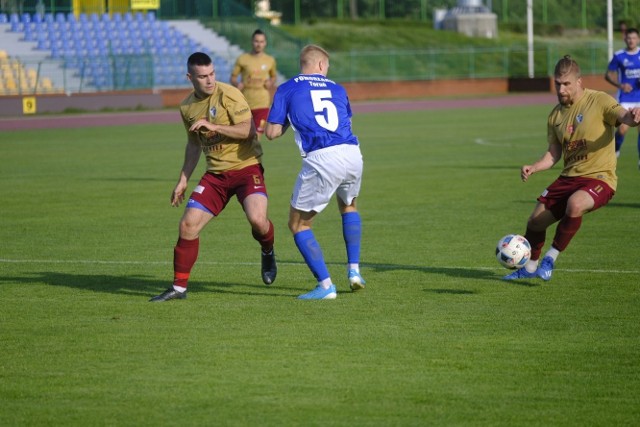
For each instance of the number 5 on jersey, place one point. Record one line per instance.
(328, 117)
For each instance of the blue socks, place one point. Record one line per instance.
(312, 254)
(352, 233)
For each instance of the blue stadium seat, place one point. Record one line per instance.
(16, 25)
(29, 34)
(4, 19)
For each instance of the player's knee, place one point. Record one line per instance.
(575, 210)
(188, 229)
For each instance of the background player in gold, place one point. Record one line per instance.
(580, 130)
(258, 77)
(218, 122)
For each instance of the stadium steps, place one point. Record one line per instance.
(215, 43)
(25, 51)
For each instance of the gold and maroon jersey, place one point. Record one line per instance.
(226, 106)
(586, 132)
(255, 70)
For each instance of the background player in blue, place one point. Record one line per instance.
(318, 111)
(624, 73)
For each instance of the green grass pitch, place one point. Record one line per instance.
(436, 338)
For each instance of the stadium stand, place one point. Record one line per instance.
(110, 51)
(16, 79)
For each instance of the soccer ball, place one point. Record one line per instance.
(513, 251)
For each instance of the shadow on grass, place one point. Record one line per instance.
(141, 285)
(623, 205)
(464, 273)
(147, 286)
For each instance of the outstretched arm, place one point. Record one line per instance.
(548, 159)
(191, 157)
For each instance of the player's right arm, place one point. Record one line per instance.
(548, 159)
(191, 158)
(612, 77)
(237, 69)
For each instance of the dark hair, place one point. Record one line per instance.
(198, 58)
(567, 65)
(258, 32)
(631, 30)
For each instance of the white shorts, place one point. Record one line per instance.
(628, 105)
(336, 169)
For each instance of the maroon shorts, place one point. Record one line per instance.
(216, 189)
(555, 197)
(260, 118)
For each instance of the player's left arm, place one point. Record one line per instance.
(275, 130)
(630, 117)
(242, 130)
(270, 82)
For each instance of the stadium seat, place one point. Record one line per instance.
(4, 19)
(92, 36)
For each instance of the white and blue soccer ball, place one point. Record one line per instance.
(513, 251)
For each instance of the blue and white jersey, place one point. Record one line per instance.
(318, 110)
(627, 64)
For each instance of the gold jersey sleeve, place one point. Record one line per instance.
(586, 132)
(226, 106)
(255, 71)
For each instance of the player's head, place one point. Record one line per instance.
(631, 38)
(314, 60)
(201, 74)
(568, 80)
(258, 41)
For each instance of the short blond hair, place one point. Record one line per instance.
(311, 54)
(567, 65)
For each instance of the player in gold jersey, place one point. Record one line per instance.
(258, 77)
(218, 123)
(580, 130)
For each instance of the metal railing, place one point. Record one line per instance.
(126, 72)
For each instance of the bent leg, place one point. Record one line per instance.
(185, 253)
(300, 225)
(539, 220)
(255, 208)
(578, 204)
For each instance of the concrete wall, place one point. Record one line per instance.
(13, 105)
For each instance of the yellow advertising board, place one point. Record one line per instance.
(29, 105)
(145, 4)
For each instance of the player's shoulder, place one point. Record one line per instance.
(188, 101)
(228, 89)
(243, 57)
(598, 94)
